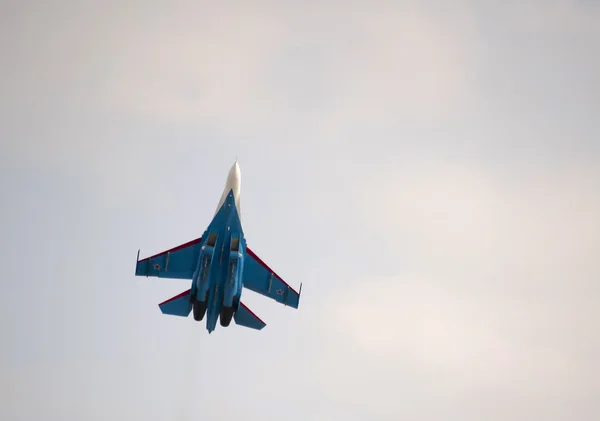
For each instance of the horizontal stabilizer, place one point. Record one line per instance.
(245, 317)
(179, 305)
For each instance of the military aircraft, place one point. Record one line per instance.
(220, 266)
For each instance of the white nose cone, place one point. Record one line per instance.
(234, 182)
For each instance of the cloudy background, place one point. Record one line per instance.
(429, 170)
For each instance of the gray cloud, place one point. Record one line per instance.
(489, 290)
(429, 171)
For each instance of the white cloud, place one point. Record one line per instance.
(450, 289)
(499, 298)
(466, 214)
(408, 64)
(375, 61)
(556, 16)
(209, 71)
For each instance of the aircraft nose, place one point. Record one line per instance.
(235, 170)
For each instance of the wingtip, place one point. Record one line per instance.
(137, 261)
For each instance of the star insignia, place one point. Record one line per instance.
(156, 266)
(279, 292)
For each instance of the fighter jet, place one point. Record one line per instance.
(220, 266)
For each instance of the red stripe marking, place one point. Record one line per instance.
(183, 294)
(259, 260)
(189, 243)
(252, 313)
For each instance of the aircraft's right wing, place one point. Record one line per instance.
(260, 278)
(178, 262)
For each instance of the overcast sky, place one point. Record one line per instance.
(429, 170)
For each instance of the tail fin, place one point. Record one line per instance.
(245, 317)
(179, 305)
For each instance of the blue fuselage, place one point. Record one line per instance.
(219, 265)
(217, 280)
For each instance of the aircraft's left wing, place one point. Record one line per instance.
(178, 262)
(260, 278)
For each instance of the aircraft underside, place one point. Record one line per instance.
(216, 264)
